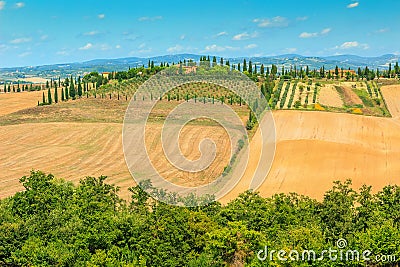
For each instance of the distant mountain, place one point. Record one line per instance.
(287, 60)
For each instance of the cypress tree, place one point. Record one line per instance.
(66, 93)
(5, 87)
(79, 87)
(49, 96)
(55, 93)
(72, 92)
(62, 95)
(244, 65)
(43, 98)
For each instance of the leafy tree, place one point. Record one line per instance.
(274, 70)
(338, 210)
(56, 223)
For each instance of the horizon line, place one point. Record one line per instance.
(211, 55)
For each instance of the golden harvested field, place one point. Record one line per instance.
(391, 94)
(313, 148)
(316, 148)
(330, 97)
(12, 102)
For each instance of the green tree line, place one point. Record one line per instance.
(55, 223)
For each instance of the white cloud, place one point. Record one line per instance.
(315, 34)
(21, 40)
(382, 30)
(175, 49)
(347, 45)
(142, 45)
(217, 48)
(353, 5)
(3, 48)
(275, 22)
(118, 46)
(62, 53)
(250, 46)
(140, 51)
(101, 16)
(105, 47)
(150, 18)
(182, 37)
(25, 54)
(2, 4)
(86, 47)
(19, 5)
(289, 50)
(302, 18)
(244, 36)
(44, 37)
(221, 34)
(326, 31)
(145, 51)
(308, 34)
(91, 33)
(352, 45)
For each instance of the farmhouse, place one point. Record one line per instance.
(188, 69)
(106, 74)
(352, 72)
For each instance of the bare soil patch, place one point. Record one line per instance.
(328, 96)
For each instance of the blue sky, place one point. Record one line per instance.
(46, 32)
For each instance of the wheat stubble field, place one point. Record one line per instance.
(83, 137)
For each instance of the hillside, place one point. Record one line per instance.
(107, 65)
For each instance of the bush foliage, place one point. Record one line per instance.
(54, 223)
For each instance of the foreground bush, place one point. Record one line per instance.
(54, 223)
